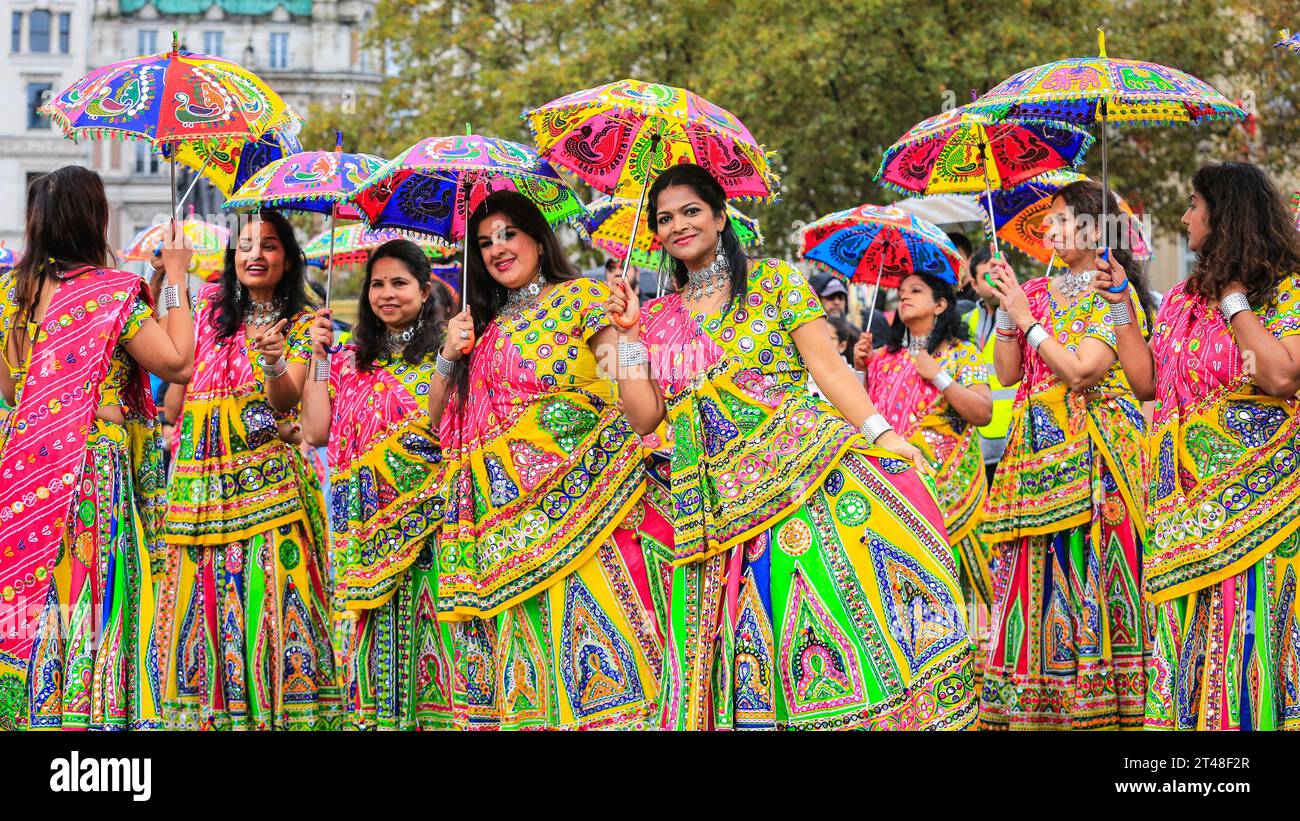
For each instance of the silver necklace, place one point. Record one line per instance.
(261, 314)
(519, 300)
(711, 279)
(397, 342)
(1073, 284)
(917, 344)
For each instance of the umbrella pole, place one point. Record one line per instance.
(636, 223)
(1105, 183)
(190, 190)
(322, 367)
(988, 192)
(172, 187)
(875, 290)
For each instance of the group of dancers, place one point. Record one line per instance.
(560, 508)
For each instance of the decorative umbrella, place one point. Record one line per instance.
(175, 97)
(448, 273)
(960, 152)
(1106, 90)
(353, 244)
(1016, 215)
(879, 244)
(433, 186)
(1287, 40)
(208, 241)
(612, 221)
(8, 259)
(619, 137)
(1295, 205)
(229, 162)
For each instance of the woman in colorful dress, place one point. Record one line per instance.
(1224, 503)
(1066, 647)
(812, 584)
(386, 466)
(82, 463)
(243, 611)
(538, 554)
(931, 385)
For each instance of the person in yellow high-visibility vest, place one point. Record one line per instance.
(980, 321)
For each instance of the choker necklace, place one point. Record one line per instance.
(711, 279)
(1073, 284)
(519, 300)
(261, 314)
(397, 342)
(917, 344)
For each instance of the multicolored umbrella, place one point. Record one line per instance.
(229, 162)
(1016, 216)
(1106, 90)
(1287, 40)
(620, 136)
(8, 259)
(433, 186)
(173, 97)
(611, 226)
(879, 245)
(448, 273)
(209, 242)
(322, 182)
(959, 152)
(353, 243)
(1295, 206)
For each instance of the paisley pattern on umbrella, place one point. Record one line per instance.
(353, 244)
(434, 185)
(1018, 216)
(229, 162)
(960, 152)
(209, 242)
(611, 224)
(308, 181)
(620, 136)
(873, 242)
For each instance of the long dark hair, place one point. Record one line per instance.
(67, 228)
(1084, 197)
(1252, 237)
(370, 332)
(947, 325)
(707, 188)
(234, 302)
(486, 295)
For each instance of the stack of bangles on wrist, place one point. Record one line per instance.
(1119, 314)
(1036, 336)
(874, 427)
(632, 353)
(274, 370)
(942, 381)
(1005, 325)
(444, 366)
(1233, 304)
(170, 297)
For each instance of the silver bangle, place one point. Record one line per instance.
(874, 427)
(1233, 304)
(321, 370)
(171, 297)
(275, 370)
(1037, 336)
(942, 381)
(1003, 321)
(444, 367)
(1119, 314)
(632, 353)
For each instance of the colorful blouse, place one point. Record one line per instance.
(921, 415)
(542, 466)
(749, 443)
(1044, 481)
(385, 489)
(233, 476)
(1226, 484)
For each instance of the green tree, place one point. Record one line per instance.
(827, 86)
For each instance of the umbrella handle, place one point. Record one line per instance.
(636, 223)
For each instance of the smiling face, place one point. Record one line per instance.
(1197, 222)
(686, 226)
(511, 256)
(259, 257)
(395, 294)
(1072, 236)
(916, 303)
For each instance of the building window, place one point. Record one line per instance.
(213, 42)
(38, 31)
(279, 50)
(16, 42)
(146, 41)
(147, 160)
(65, 32)
(38, 94)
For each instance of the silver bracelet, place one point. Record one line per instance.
(1003, 321)
(874, 427)
(632, 353)
(321, 370)
(1119, 314)
(1233, 304)
(171, 297)
(275, 370)
(942, 381)
(444, 366)
(1037, 336)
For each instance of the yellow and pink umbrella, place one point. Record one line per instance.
(209, 242)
